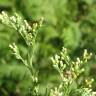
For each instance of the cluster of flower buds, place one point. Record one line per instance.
(68, 69)
(87, 92)
(15, 50)
(22, 26)
(56, 92)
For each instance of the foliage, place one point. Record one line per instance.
(68, 23)
(29, 35)
(71, 23)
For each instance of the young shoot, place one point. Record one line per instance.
(69, 71)
(29, 34)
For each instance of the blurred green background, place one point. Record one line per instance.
(68, 23)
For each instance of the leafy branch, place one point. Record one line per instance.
(69, 71)
(29, 34)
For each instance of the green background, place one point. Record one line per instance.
(68, 23)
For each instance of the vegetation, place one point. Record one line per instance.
(69, 72)
(66, 23)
